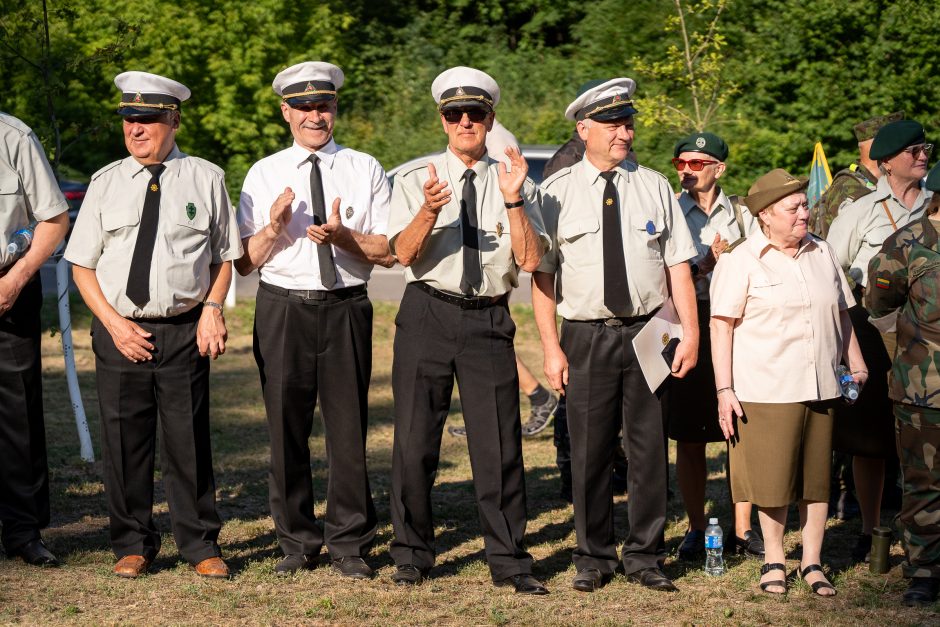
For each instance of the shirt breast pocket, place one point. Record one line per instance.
(121, 227)
(189, 237)
(495, 242)
(648, 235)
(578, 242)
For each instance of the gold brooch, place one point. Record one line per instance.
(665, 338)
(609, 202)
(154, 187)
(499, 229)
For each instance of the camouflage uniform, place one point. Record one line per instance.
(904, 279)
(847, 185)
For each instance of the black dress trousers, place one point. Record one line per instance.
(606, 389)
(434, 343)
(24, 476)
(174, 387)
(309, 350)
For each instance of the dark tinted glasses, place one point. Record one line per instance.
(695, 165)
(454, 116)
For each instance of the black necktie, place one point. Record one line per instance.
(317, 204)
(138, 278)
(472, 271)
(616, 295)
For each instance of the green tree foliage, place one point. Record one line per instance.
(786, 73)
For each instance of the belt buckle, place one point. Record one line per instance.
(613, 322)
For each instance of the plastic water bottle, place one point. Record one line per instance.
(714, 540)
(20, 241)
(847, 383)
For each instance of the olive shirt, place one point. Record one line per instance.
(655, 235)
(787, 340)
(440, 265)
(196, 230)
(847, 185)
(905, 276)
(704, 226)
(862, 226)
(28, 189)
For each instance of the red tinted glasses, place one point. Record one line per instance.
(695, 165)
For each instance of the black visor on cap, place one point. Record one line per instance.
(309, 91)
(606, 109)
(466, 96)
(147, 104)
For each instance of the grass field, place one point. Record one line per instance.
(85, 592)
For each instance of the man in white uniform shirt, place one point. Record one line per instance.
(313, 218)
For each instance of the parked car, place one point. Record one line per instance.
(536, 155)
(74, 192)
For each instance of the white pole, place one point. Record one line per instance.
(230, 297)
(71, 376)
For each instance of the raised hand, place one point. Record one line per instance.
(329, 232)
(435, 193)
(281, 210)
(510, 183)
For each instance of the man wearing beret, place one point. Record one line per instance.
(855, 181)
(312, 218)
(28, 194)
(151, 253)
(717, 222)
(905, 275)
(620, 249)
(463, 226)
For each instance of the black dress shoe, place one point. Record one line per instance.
(353, 567)
(294, 562)
(751, 544)
(693, 545)
(654, 579)
(921, 591)
(588, 580)
(35, 553)
(408, 575)
(524, 584)
(861, 552)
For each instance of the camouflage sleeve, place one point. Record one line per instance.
(844, 188)
(887, 278)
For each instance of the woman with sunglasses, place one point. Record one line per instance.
(716, 222)
(856, 235)
(779, 328)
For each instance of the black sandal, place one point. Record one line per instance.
(817, 585)
(766, 568)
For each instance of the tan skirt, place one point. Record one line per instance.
(781, 453)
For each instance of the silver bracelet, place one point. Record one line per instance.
(214, 305)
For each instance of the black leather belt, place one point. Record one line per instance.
(618, 322)
(464, 302)
(308, 295)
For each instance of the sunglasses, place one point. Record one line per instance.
(926, 149)
(475, 115)
(695, 165)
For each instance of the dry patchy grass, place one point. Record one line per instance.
(84, 591)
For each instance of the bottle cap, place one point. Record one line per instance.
(712, 521)
(882, 532)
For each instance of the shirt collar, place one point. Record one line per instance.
(298, 155)
(592, 173)
(456, 167)
(132, 167)
(758, 243)
(687, 204)
(884, 191)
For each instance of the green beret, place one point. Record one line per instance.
(895, 137)
(869, 128)
(770, 188)
(709, 143)
(933, 179)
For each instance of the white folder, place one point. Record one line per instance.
(652, 339)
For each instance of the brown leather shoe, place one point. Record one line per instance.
(213, 567)
(131, 566)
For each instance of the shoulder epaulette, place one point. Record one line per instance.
(110, 166)
(556, 175)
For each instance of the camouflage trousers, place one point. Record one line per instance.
(917, 435)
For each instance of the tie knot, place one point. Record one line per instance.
(468, 175)
(156, 169)
(313, 158)
(609, 176)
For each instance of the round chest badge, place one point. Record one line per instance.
(651, 228)
(700, 142)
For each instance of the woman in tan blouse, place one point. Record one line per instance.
(779, 329)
